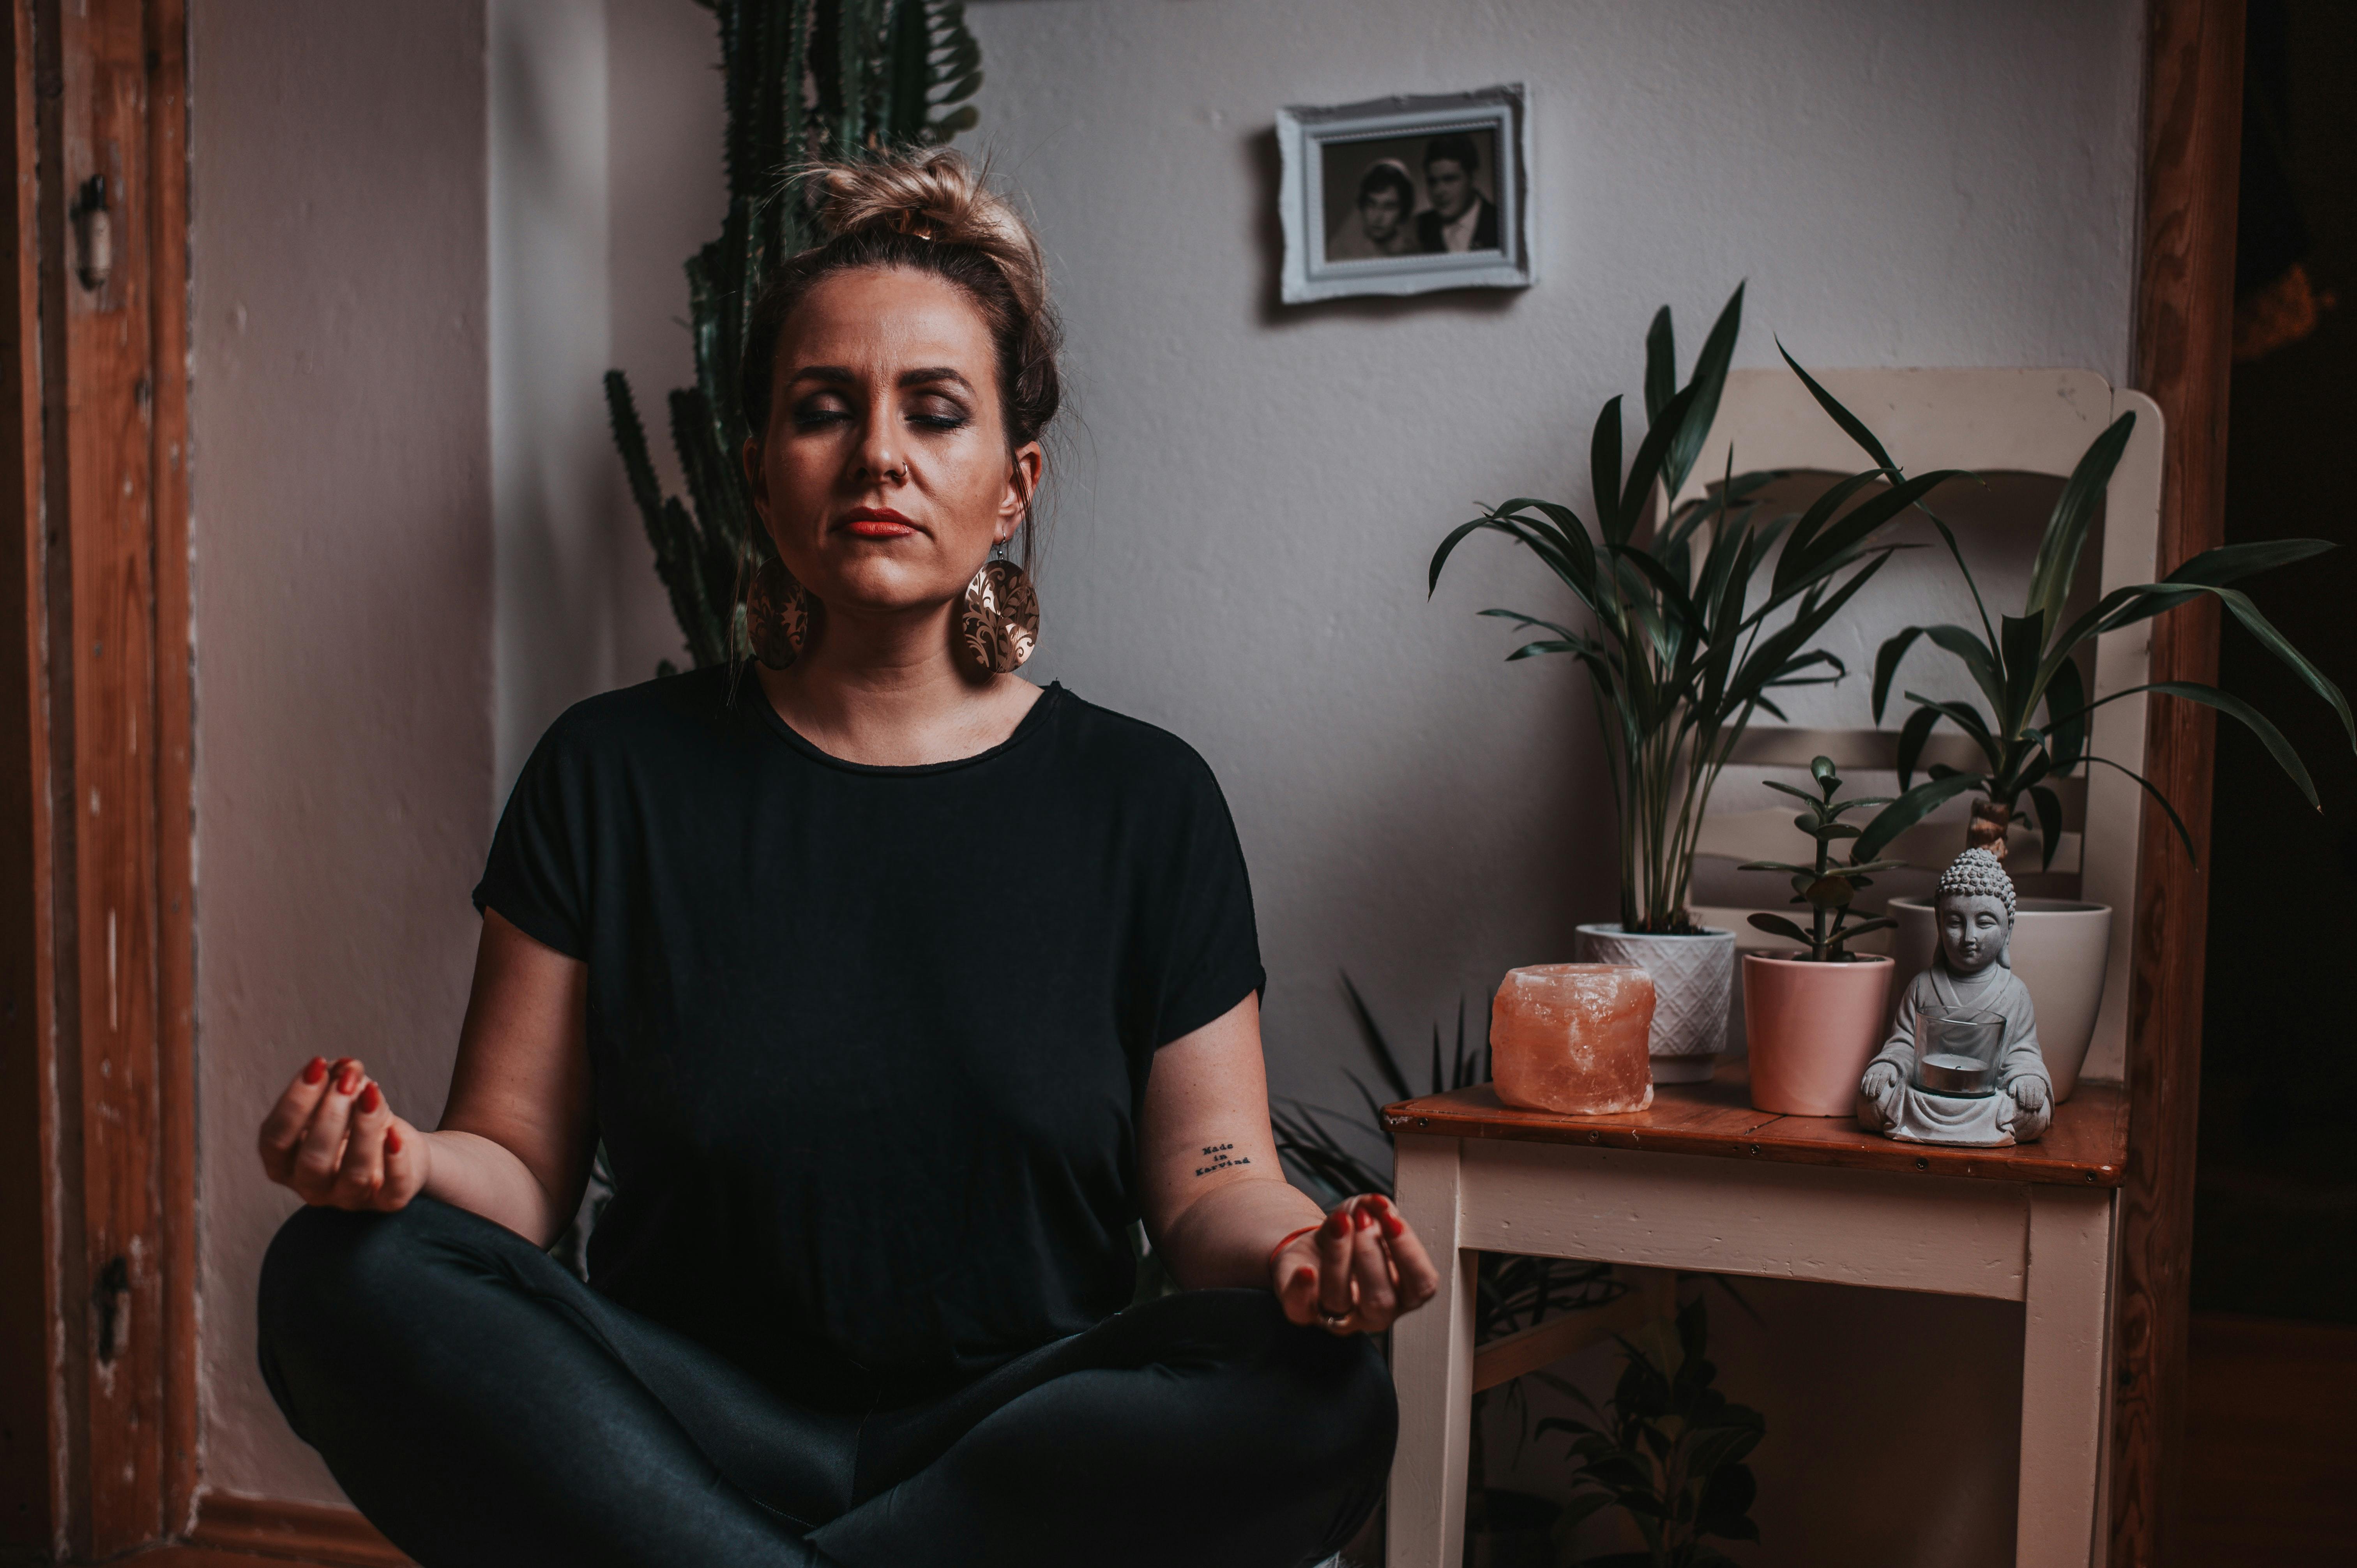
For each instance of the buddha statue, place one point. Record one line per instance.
(1962, 1065)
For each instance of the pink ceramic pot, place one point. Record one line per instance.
(1812, 1027)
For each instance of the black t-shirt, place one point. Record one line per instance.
(869, 1044)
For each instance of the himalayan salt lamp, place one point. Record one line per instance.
(1572, 1037)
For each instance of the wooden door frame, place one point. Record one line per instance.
(2185, 306)
(98, 1419)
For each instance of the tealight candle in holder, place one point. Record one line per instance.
(1572, 1037)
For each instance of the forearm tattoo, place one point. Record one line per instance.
(1220, 1157)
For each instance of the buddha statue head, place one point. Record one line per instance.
(1974, 908)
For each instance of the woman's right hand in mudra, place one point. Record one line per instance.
(1356, 1273)
(333, 1139)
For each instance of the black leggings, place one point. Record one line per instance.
(481, 1405)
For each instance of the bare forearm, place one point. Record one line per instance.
(1224, 1238)
(469, 1171)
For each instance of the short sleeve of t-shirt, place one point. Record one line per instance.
(1209, 946)
(536, 873)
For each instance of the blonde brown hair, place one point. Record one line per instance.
(933, 212)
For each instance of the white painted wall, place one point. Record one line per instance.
(559, 551)
(339, 427)
(1250, 506)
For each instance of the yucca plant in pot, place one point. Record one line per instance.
(1683, 648)
(2035, 729)
(1814, 1018)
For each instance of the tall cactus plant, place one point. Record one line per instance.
(803, 79)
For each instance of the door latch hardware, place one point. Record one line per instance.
(95, 229)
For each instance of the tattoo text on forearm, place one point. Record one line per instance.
(1222, 1158)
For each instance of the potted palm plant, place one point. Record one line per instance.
(1682, 650)
(2028, 669)
(1815, 1018)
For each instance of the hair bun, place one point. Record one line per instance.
(936, 194)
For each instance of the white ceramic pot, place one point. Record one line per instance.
(2060, 951)
(1693, 980)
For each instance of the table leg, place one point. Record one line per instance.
(1432, 1367)
(2066, 1314)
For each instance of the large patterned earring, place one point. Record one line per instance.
(777, 615)
(1000, 625)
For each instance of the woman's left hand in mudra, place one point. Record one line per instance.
(1356, 1273)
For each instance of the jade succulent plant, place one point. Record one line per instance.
(1827, 887)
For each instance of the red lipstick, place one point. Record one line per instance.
(878, 522)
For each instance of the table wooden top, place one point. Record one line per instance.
(2086, 1147)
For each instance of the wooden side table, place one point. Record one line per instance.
(1703, 1182)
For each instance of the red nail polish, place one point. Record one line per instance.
(1394, 1226)
(314, 1070)
(393, 1140)
(348, 1082)
(370, 1100)
(1366, 1217)
(1338, 1223)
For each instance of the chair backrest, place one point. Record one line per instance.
(2037, 421)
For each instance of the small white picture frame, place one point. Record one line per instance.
(1405, 195)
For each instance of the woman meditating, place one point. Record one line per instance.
(897, 989)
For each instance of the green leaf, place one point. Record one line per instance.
(1821, 554)
(1912, 736)
(1708, 381)
(1967, 719)
(2258, 626)
(1830, 501)
(1852, 427)
(2049, 806)
(1777, 926)
(1886, 665)
(1828, 893)
(2230, 562)
(2227, 703)
(1911, 808)
(1673, 592)
(1647, 468)
(2066, 530)
(2022, 640)
(1604, 470)
(1661, 365)
(2066, 703)
(1978, 659)
(2175, 821)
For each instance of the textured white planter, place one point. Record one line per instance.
(2060, 949)
(1693, 979)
